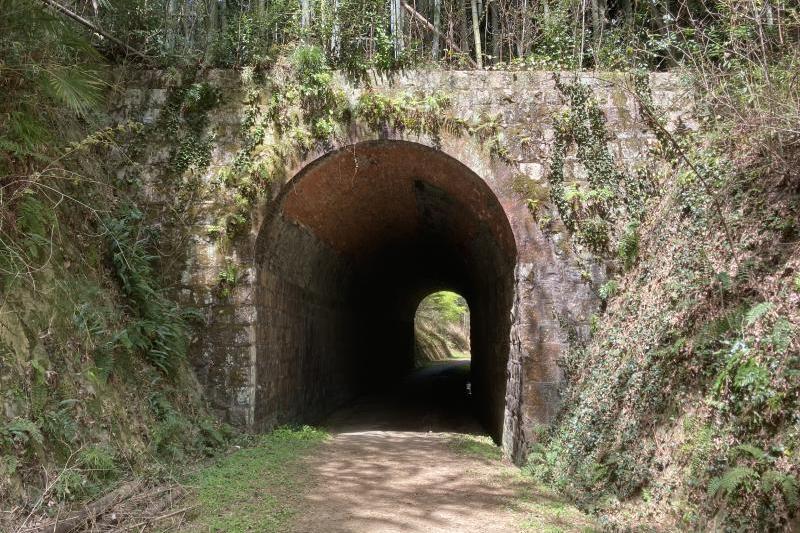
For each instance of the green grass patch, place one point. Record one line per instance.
(256, 488)
(545, 511)
(477, 446)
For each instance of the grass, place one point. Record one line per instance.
(476, 446)
(255, 489)
(540, 508)
(545, 511)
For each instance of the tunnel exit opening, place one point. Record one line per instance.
(354, 243)
(441, 329)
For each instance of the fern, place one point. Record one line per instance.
(781, 335)
(25, 134)
(24, 431)
(757, 311)
(59, 424)
(751, 375)
(733, 479)
(628, 248)
(786, 483)
(753, 451)
(160, 328)
(97, 462)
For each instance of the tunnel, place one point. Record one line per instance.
(344, 256)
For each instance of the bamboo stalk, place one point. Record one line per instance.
(422, 20)
(79, 19)
(476, 31)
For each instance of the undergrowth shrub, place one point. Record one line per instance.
(159, 328)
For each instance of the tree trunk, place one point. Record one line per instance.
(437, 28)
(336, 31)
(305, 14)
(627, 13)
(172, 28)
(497, 43)
(422, 20)
(461, 17)
(223, 15)
(396, 25)
(598, 20)
(523, 32)
(476, 30)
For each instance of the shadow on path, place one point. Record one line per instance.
(434, 398)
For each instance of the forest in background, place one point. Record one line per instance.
(441, 328)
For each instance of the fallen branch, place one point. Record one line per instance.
(93, 510)
(80, 20)
(417, 15)
(158, 518)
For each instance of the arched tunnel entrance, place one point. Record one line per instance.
(353, 244)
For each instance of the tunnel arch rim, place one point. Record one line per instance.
(305, 166)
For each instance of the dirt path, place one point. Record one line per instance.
(391, 481)
(390, 478)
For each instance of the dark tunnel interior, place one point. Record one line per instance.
(355, 241)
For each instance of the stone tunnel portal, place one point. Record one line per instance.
(353, 244)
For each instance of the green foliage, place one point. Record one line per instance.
(698, 449)
(159, 328)
(70, 485)
(272, 466)
(481, 447)
(172, 436)
(735, 479)
(36, 223)
(441, 327)
(77, 89)
(50, 75)
(58, 423)
(228, 278)
(322, 103)
(589, 210)
(422, 114)
(448, 306)
(608, 289)
(97, 463)
(21, 432)
(184, 123)
(756, 312)
(781, 336)
(685, 335)
(787, 484)
(628, 246)
(752, 451)
(535, 193)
